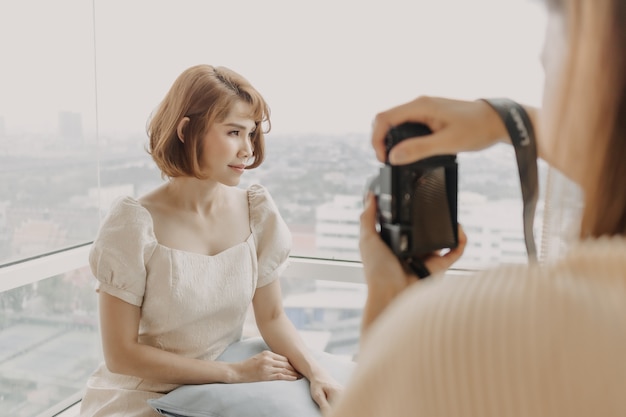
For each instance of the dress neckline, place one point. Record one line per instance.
(248, 241)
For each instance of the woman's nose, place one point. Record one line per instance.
(246, 149)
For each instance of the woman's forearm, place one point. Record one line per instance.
(377, 300)
(282, 337)
(148, 362)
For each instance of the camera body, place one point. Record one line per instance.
(417, 203)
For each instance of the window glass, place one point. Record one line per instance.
(48, 166)
(326, 68)
(49, 342)
(80, 79)
(326, 313)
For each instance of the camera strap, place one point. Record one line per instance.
(522, 135)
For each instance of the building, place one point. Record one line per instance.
(337, 227)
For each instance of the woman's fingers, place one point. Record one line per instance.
(457, 126)
(417, 110)
(378, 260)
(268, 366)
(381, 267)
(368, 216)
(439, 263)
(372, 250)
(282, 367)
(411, 150)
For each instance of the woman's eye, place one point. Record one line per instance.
(234, 132)
(251, 135)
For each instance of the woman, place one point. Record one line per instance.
(178, 268)
(534, 340)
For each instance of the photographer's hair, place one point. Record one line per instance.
(205, 94)
(593, 104)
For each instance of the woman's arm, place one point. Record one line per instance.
(123, 354)
(385, 276)
(282, 337)
(457, 125)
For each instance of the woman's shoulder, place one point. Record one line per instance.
(123, 247)
(126, 215)
(271, 234)
(261, 204)
(520, 330)
(259, 196)
(593, 254)
(588, 279)
(127, 206)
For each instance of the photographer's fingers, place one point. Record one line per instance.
(384, 275)
(439, 263)
(411, 150)
(454, 254)
(457, 126)
(418, 110)
(379, 262)
(368, 217)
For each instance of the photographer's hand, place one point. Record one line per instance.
(385, 275)
(457, 126)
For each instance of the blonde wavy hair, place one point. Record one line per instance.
(205, 94)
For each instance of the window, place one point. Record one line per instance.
(49, 342)
(324, 84)
(48, 148)
(80, 79)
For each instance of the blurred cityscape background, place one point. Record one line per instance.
(78, 77)
(49, 200)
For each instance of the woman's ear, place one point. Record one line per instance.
(181, 127)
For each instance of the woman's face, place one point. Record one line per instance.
(228, 145)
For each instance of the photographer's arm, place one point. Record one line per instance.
(457, 126)
(384, 274)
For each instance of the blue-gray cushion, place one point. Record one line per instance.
(259, 399)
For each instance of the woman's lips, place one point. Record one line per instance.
(238, 168)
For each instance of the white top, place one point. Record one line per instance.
(516, 341)
(191, 304)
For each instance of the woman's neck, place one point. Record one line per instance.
(196, 195)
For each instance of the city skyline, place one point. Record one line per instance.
(80, 79)
(312, 184)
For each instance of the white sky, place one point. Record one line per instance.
(323, 66)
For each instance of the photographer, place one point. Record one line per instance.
(517, 340)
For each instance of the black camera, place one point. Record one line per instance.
(417, 203)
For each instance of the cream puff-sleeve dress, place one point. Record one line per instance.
(191, 304)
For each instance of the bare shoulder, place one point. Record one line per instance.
(238, 192)
(236, 198)
(154, 198)
(159, 205)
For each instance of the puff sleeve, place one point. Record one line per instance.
(123, 247)
(271, 235)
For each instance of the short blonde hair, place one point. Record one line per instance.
(205, 94)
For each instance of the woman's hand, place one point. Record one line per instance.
(324, 390)
(385, 275)
(457, 126)
(264, 366)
